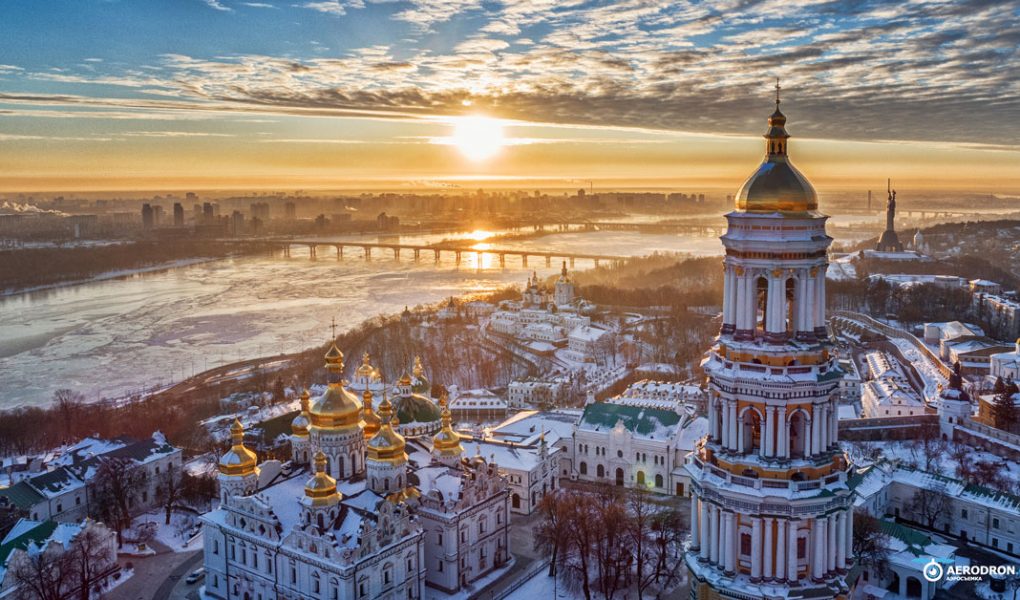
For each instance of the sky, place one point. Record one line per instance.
(401, 94)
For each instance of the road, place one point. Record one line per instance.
(160, 572)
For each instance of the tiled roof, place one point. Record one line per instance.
(21, 495)
(37, 534)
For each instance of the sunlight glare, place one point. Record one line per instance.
(478, 138)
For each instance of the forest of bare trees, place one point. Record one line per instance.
(607, 542)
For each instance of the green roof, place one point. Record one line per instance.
(277, 426)
(915, 540)
(22, 495)
(638, 420)
(417, 409)
(37, 534)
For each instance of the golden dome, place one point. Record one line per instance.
(776, 186)
(239, 460)
(337, 407)
(404, 495)
(386, 445)
(405, 379)
(447, 441)
(321, 488)
(366, 370)
(419, 370)
(371, 421)
(299, 426)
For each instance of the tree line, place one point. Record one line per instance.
(605, 541)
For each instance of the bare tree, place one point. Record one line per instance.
(118, 482)
(668, 528)
(641, 514)
(932, 446)
(68, 405)
(870, 544)
(169, 490)
(89, 559)
(552, 533)
(41, 575)
(930, 506)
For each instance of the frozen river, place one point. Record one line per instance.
(109, 338)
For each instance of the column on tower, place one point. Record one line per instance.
(768, 446)
(745, 300)
(800, 305)
(731, 420)
(724, 422)
(848, 538)
(818, 531)
(783, 434)
(740, 433)
(731, 549)
(819, 300)
(729, 300)
(823, 427)
(808, 324)
(841, 542)
(776, 311)
(713, 434)
(834, 422)
(713, 516)
(756, 549)
(791, 552)
(782, 544)
(831, 545)
(706, 536)
(695, 528)
(813, 447)
(768, 549)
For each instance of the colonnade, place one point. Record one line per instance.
(740, 302)
(775, 553)
(733, 428)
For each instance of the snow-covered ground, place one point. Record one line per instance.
(178, 535)
(542, 586)
(928, 372)
(910, 453)
(429, 593)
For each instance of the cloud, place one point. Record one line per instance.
(939, 71)
(218, 5)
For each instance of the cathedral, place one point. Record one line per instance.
(771, 509)
(359, 512)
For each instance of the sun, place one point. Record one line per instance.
(478, 138)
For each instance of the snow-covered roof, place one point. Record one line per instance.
(525, 427)
(649, 423)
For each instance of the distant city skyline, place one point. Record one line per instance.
(416, 94)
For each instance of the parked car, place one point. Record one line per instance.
(195, 576)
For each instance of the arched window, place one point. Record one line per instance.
(619, 476)
(798, 435)
(762, 303)
(583, 468)
(641, 478)
(658, 481)
(750, 430)
(600, 471)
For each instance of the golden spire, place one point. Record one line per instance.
(238, 461)
(299, 426)
(371, 420)
(387, 445)
(338, 407)
(321, 488)
(446, 442)
(418, 371)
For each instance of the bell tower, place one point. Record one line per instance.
(771, 512)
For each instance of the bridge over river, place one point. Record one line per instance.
(395, 250)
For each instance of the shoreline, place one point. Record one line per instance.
(110, 275)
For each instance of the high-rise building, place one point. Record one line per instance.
(148, 218)
(771, 505)
(178, 215)
(290, 211)
(207, 212)
(157, 215)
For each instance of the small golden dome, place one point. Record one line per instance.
(386, 445)
(419, 370)
(239, 460)
(371, 421)
(446, 442)
(299, 426)
(405, 380)
(338, 408)
(321, 488)
(776, 186)
(366, 369)
(404, 495)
